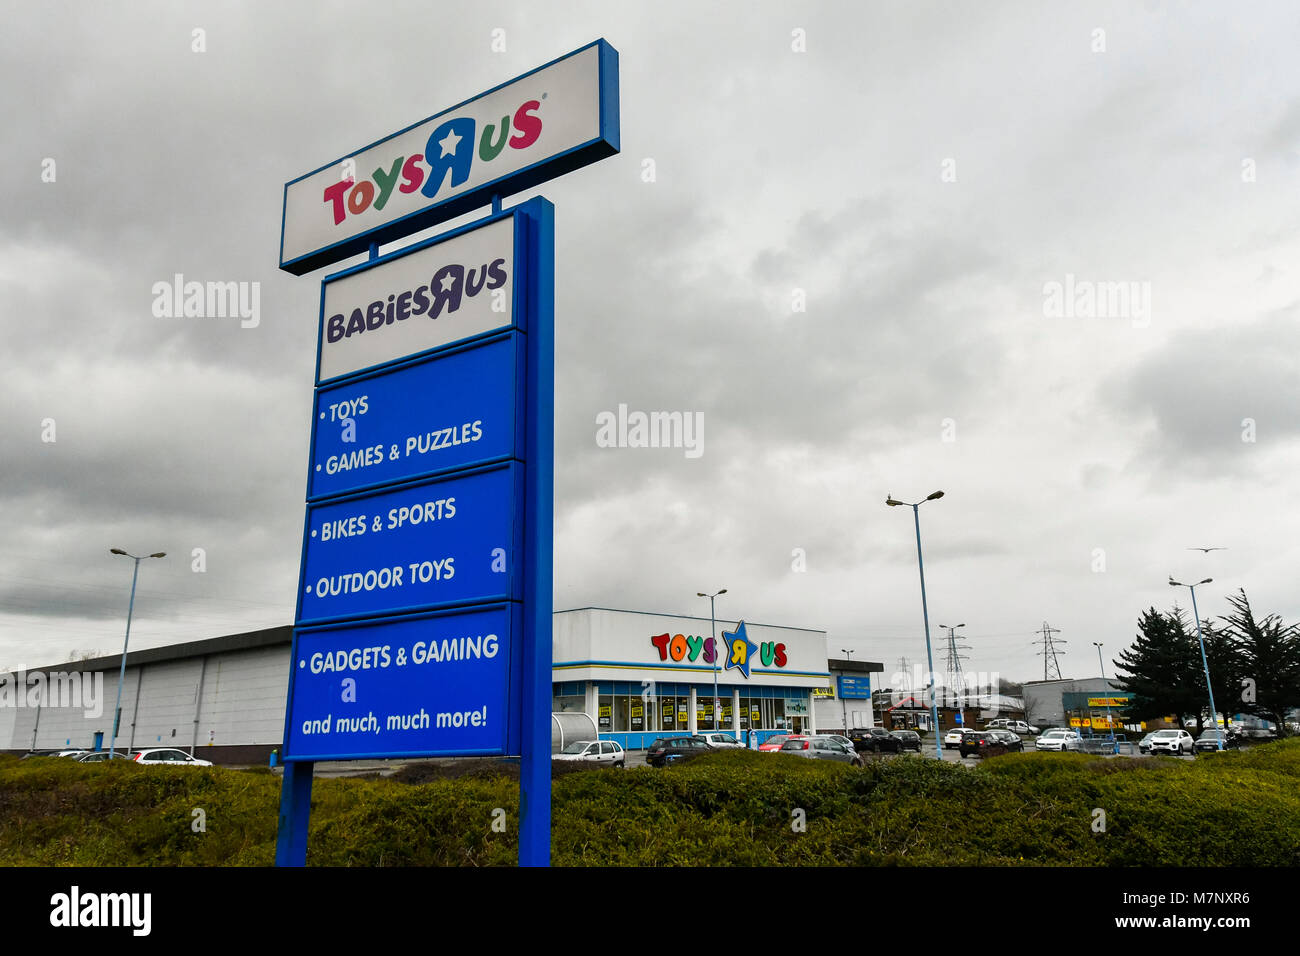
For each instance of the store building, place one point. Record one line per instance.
(639, 676)
(1090, 705)
(643, 676)
(844, 703)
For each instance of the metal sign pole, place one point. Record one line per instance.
(535, 763)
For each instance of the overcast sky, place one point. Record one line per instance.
(922, 174)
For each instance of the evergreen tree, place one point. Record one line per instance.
(1268, 683)
(1159, 670)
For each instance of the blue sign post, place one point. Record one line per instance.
(424, 606)
(423, 625)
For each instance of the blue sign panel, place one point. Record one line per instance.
(447, 541)
(403, 687)
(855, 688)
(445, 412)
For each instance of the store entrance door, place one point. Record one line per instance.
(797, 723)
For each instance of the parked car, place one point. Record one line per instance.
(952, 739)
(999, 723)
(168, 757)
(720, 740)
(1171, 742)
(842, 739)
(908, 740)
(875, 739)
(776, 742)
(975, 742)
(1020, 727)
(821, 748)
(98, 756)
(597, 753)
(667, 750)
(1059, 740)
(54, 753)
(1212, 741)
(1144, 745)
(1008, 739)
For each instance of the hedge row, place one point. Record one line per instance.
(724, 809)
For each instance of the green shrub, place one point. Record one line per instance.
(733, 808)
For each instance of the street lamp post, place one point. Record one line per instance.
(121, 675)
(713, 624)
(844, 707)
(1110, 723)
(1205, 663)
(925, 612)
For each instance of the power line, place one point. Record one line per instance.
(1049, 652)
(953, 667)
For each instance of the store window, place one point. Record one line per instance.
(703, 712)
(568, 697)
(668, 713)
(605, 713)
(569, 704)
(777, 709)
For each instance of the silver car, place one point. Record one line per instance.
(593, 753)
(97, 756)
(821, 748)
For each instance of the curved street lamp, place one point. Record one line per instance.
(929, 655)
(713, 622)
(121, 675)
(1205, 663)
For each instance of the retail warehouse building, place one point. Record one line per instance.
(636, 675)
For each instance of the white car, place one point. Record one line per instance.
(1059, 740)
(1020, 727)
(721, 740)
(1171, 742)
(169, 757)
(596, 753)
(952, 739)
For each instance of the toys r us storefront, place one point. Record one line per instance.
(641, 676)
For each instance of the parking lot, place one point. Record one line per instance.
(636, 758)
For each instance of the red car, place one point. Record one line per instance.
(777, 742)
